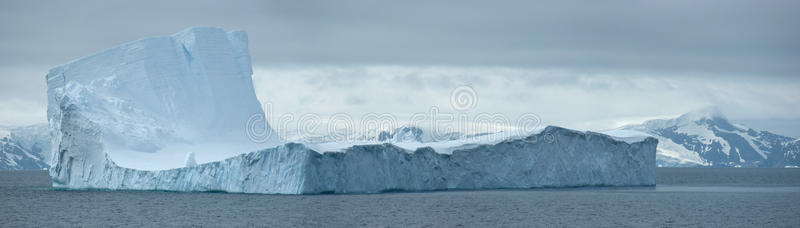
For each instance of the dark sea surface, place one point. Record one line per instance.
(696, 197)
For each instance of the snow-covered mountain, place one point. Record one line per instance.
(706, 137)
(25, 148)
(411, 134)
(404, 134)
(401, 134)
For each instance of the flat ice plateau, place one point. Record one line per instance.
(171, 112)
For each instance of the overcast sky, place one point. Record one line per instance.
(574, 64)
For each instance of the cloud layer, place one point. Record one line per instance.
(737, 37)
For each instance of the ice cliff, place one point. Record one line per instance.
(174, 99)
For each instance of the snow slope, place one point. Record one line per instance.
(171, 113)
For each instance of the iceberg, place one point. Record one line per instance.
(171, 113)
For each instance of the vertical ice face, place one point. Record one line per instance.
(146, 96)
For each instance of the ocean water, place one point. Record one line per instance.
(696, 197)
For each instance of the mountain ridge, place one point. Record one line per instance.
(25, 148)
(706, 137)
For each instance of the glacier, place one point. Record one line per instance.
(172, 113)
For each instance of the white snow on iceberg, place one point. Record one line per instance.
(170, 113)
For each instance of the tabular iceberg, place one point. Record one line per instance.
(137, 101)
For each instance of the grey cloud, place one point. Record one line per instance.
(723, 37)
